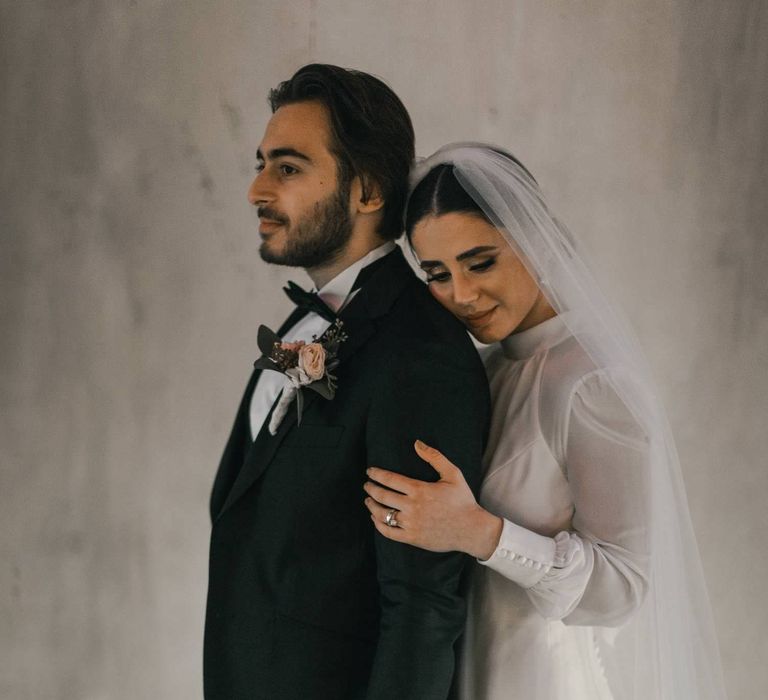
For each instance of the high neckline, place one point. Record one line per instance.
(525, 344)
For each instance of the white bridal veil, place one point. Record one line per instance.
(667, 650)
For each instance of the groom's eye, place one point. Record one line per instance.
(286, 169)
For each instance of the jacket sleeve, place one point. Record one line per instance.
(423, 393)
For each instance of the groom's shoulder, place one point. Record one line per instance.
(417, 321)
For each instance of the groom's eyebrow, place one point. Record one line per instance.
(282, 152)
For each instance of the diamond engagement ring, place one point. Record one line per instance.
(391, 518)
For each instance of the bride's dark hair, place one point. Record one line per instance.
(440, 192)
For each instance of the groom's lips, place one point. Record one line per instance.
(479, 320)
(267, 226)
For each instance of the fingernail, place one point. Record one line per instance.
(420, 444)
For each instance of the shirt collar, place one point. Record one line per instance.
(336, 293)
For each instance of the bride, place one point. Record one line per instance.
(588, 584)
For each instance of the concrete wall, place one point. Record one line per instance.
(132, 287)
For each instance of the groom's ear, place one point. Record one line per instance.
(365, 198)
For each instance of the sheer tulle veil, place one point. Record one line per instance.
(667, 649)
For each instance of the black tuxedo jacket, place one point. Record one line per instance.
(306, 601)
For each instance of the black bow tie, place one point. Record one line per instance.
(309, 301)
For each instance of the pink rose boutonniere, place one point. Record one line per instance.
(306, 365)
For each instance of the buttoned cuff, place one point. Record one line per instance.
(523, 556)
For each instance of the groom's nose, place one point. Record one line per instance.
(260, 193)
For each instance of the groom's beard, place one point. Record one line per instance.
(316, 239)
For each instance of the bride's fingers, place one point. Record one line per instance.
(437, 460)
(393, 480)
(380, 512)
(386, 497)
(391, 533)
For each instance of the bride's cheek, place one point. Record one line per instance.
(435, 295)
(440, 296)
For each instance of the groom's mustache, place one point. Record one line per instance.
(272, 215)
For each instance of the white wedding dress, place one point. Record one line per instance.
(596, 590)
(566, 467)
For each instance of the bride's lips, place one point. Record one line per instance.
(480, 319)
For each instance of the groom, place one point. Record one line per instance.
(306, 601)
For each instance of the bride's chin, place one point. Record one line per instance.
(486, 336)
(493, 333)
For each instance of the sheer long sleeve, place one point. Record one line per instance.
(596, 572)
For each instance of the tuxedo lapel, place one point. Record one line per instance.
(380, 285)
(262, 450)
(384, 281)
(234, 451)
(240, 443)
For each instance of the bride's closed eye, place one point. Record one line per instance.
(445, 276)
(483, 266)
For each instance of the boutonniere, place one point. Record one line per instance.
(307, 365)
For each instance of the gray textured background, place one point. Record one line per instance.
(131, 284)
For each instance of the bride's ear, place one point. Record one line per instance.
(368, 199)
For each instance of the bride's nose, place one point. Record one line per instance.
(465, 291)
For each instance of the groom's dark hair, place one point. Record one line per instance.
(372, 134)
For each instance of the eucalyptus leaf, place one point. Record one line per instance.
(322, 388)
(266, 363)
(266, 340)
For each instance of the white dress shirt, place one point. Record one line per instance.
(566, 467)
(336, 294)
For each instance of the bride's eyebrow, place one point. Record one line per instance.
(478, 250)
(471, 253)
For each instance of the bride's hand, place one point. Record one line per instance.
(442, 516)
